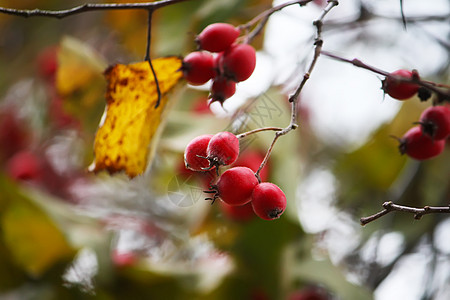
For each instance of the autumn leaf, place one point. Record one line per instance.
(131, 120)
(35, 241)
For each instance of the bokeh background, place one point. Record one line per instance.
(68, 234)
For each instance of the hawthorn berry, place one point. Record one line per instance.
(235, 186)
(217, 37)
(397, 89)
(198, 67)
(223, 149)
(252, 159)
(435, 122)
(268, 201)
(240, 213)
(420, 146)
(195, 153)
(238, 62)
(222, 89)
(24, 166)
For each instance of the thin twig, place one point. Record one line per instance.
(148, 58)
(434, 87)
(418, 212)
(294, 98)
(59, 14)
(402, 12)
(244, 134)
(263, 17)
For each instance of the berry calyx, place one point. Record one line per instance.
(435, 122)
(268, 201)
(217, 37)
(235, 186)
(238, 62)
(223, 149)
(198, 67)
(420, 146)
(195, 153)
(397, 89)
(222, 89)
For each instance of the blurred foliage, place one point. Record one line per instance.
(70, 234)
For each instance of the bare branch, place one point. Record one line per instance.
(263, 17)
(444, 93)
(294, 98)
(418, 212)
(59, 14)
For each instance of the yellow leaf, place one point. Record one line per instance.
(33, 239)
(122, 142)
(78, 65)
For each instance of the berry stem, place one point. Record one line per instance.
(147, 55)
(418, 212)
(244, 134)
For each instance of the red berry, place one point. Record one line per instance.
(397, 89)
(223, 149)
(435, 122)
(25, 165)
(420, 146)
(238, 62)
(240, 213)
(198, 67)
(268, 201)
(222, 89)
(195, 153)
(252, 159)
(14, 135)
(310, 293)
(48, 63)
(235, 186)
(123, 259)
(217, 37)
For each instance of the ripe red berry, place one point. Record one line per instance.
(198, 67)
(238, 62)
(397, 89)
(222, 89)
(435, 122)
(268, 201)
(235, 186)
(223, 149)
(420, 146)
(25, 165)
(239, 213)
(195, 153)
(252, 159)
(217, 37)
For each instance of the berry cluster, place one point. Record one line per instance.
(427, 139)
(221, 59)
(237, 186)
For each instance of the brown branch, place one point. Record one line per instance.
(418, 212)
(59, 14)
(244, 134)
(294, 98)
(263, 17)
(434, 87)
